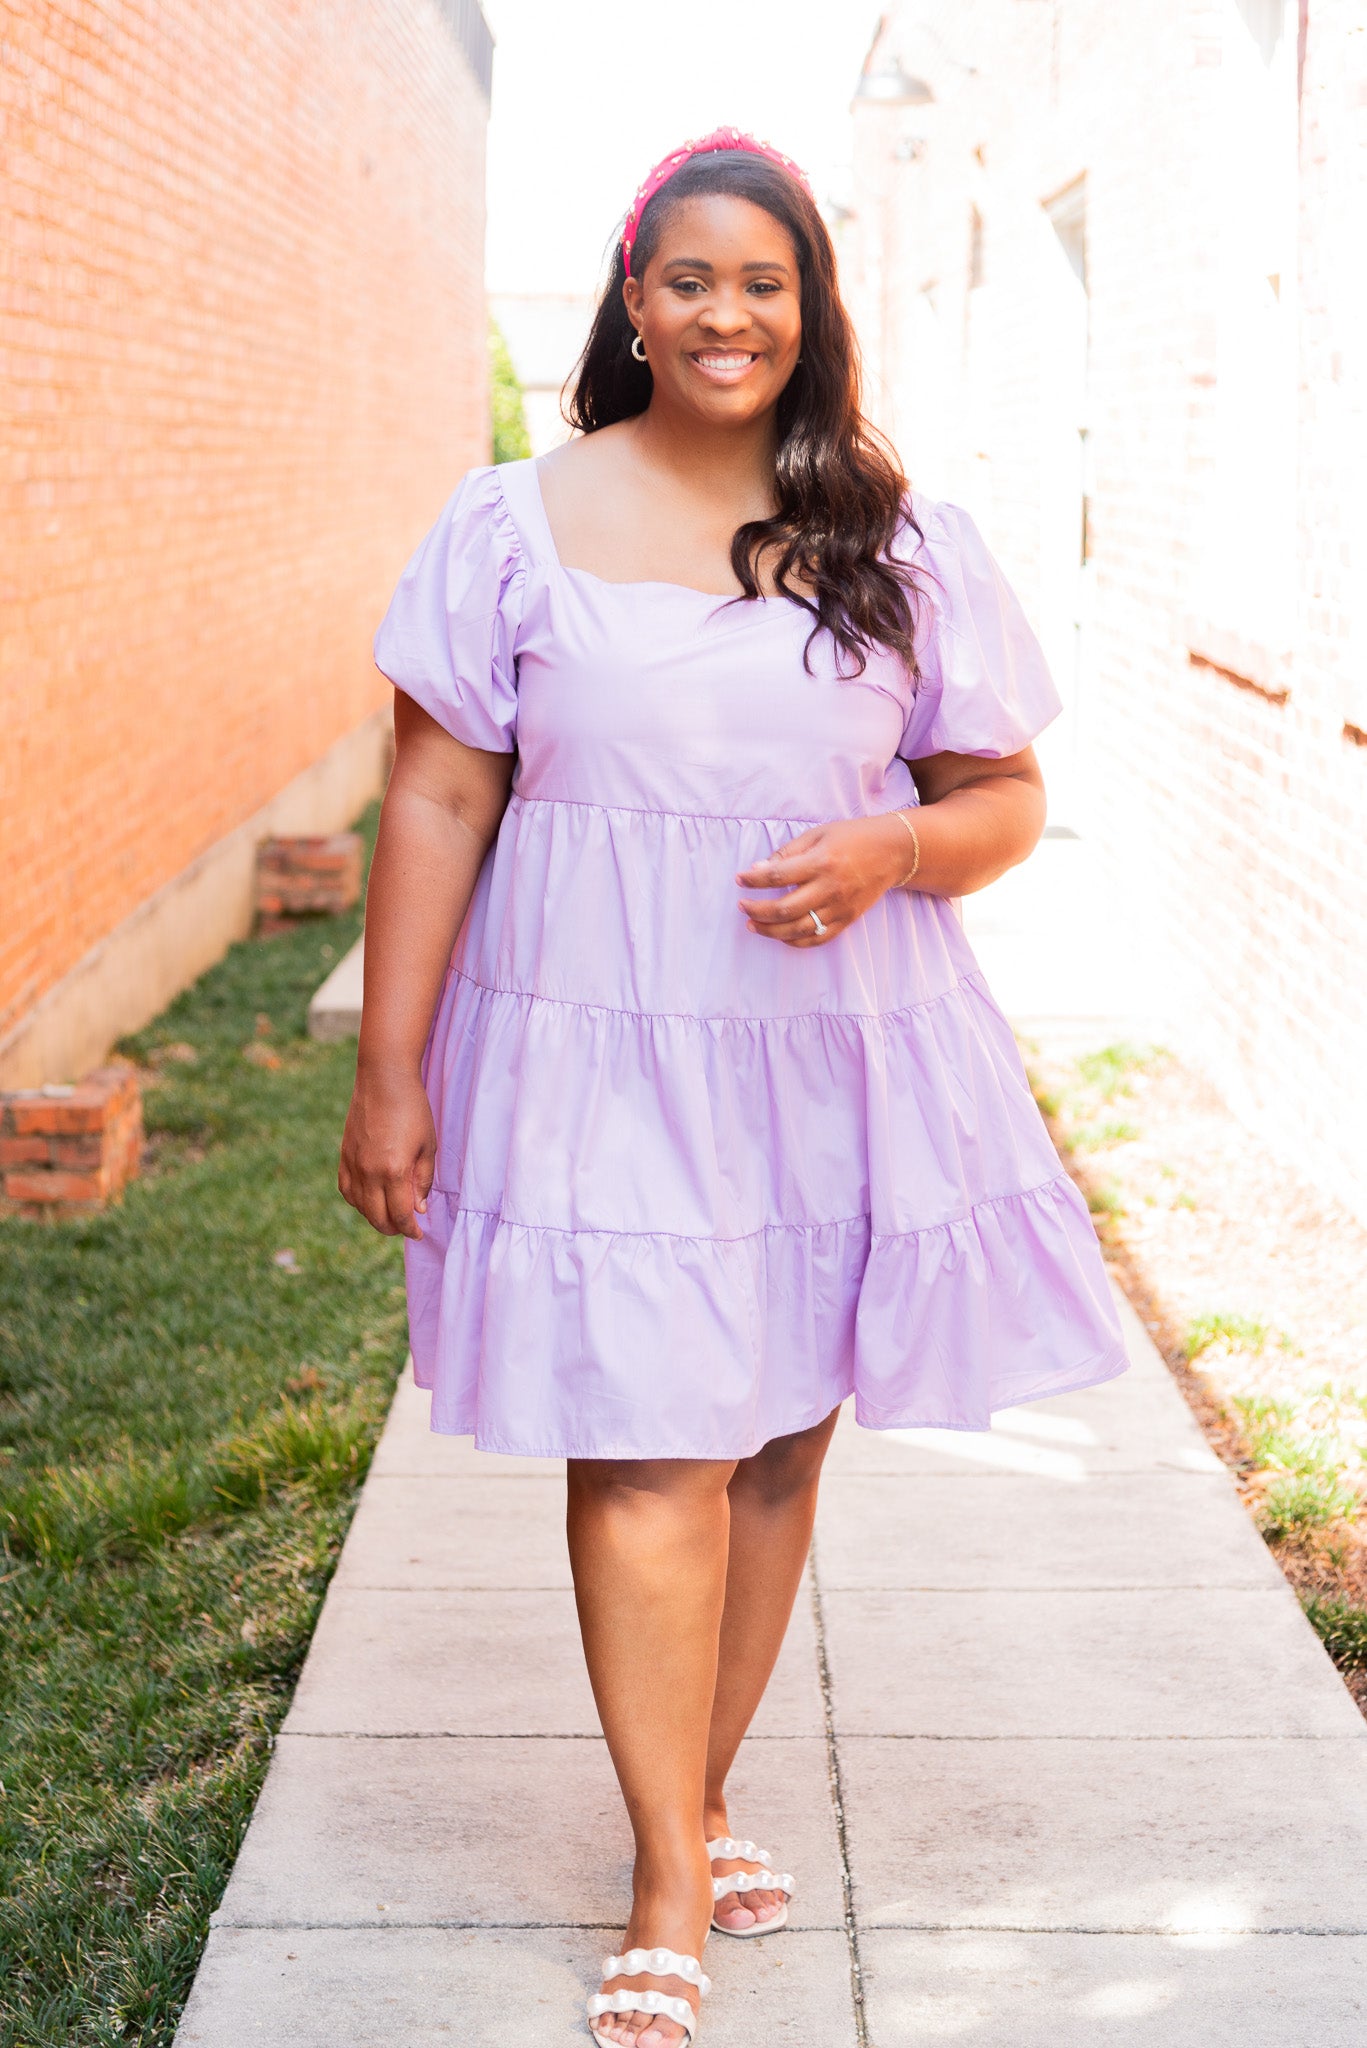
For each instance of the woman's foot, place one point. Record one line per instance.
(673, 1913)
(738, 1910)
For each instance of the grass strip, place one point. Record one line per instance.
(191, 1385)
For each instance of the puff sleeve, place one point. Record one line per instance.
(984, 686)
(449, 637)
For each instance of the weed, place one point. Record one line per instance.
(1263, 1408)
(1096, 1137)
(1109, 1070)
(1341, 1627)
(1295, 1504)
(1277, 1450)
(1227, 1333)
(1105, 1199)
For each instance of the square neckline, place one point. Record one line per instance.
(533, 467)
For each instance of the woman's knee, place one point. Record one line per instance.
(647, 1485)
(787, 1466)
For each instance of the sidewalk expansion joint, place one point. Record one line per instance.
(1099, 1476)
(482, 1735)
(861, 2029)
(1008, 1735)
(1194, 1936)
(1150, 1586)
(347, 1582)
(440, 1735)
(387, 1926)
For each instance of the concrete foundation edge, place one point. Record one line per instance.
(189, 923)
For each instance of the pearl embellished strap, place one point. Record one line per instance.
(652, 1962)
(657, 1962)
(754, 1881)
(746, 1852)
(677, 2009)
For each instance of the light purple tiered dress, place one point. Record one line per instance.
(693, 1187)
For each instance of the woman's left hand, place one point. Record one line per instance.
(837, 870)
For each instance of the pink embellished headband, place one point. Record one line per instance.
(720, 138)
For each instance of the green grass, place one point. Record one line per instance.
(1097, 1137)
(183, 1423)
(1109, 1070)
(1300, 1502)
(1226, 1333)
(1341, 1627)
(1279, 1451)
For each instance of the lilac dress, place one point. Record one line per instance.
(694, 1187)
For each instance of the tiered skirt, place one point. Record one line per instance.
(694, 1187)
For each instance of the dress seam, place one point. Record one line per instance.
(975, 981)
(764, 1229)
(575, 803)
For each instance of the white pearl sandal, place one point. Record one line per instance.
(765, 1880)
(648, 1962)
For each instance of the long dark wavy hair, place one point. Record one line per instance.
(841, 492)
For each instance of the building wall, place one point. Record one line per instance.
(242, 362)
(1204, 390)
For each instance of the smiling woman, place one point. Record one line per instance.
(729, 325)
(681, 1168)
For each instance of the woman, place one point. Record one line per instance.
(710, 1121)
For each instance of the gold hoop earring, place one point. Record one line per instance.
(638, 348)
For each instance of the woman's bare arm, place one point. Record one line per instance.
(976, 819)
(440, 813)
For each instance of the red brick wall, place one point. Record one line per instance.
(242, 361)
(1233, 819)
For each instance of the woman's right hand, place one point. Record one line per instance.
(389, 1150)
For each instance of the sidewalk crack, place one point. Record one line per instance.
(823, 1667)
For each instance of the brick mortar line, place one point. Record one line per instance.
(823, 1670)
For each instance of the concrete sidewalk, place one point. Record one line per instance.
(1053, 1752)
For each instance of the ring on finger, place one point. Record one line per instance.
(821, 929)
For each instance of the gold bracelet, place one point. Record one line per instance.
(916, 859)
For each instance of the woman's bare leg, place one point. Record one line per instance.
(648, 1547)
(773, 1506)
